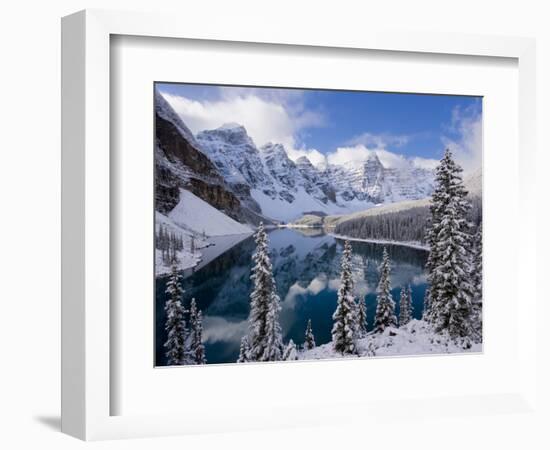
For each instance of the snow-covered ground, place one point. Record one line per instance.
(193, 213)
(411, 244)
(415, 338)
(204, 229)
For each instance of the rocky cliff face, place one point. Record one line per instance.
(179, 163)
(315, 182)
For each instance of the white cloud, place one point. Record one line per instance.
(348, 155)
(380, 141)
(467, 144)
(425, 163)
(360, 153)
(315, 156)
(268, 115)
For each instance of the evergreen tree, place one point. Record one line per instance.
(477, 282)
(244, 350)
(344, 330)
(265, 332)
(410, 302)
(175, 321)
(309, 342)
(426, 306)
(290, 353)
(385, 308)
(362, 318)
(196, 347)
(449, 261)
(405, 306)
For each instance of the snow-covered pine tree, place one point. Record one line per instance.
(449, 261)
(385, 307)
(410, 302)
(344, 330)
(309, 342)
(196, 347)
(175, 322)
(426, 305)
(477, 282)
(403, 308)
(291, 352)
(244, 350)
(265, 337)
(361, 317)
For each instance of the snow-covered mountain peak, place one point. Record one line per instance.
(373, 158)
(229, 133)
(235, 155)
(304, 162)
(230, 126)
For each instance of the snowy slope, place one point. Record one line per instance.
(194, 214)
(415, 338)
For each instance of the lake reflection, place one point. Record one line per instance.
(306, 267)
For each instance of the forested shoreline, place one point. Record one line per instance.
(408, 225)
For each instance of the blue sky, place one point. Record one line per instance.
(338, 124)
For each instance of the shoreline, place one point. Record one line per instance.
(415, 245)
(216, 246)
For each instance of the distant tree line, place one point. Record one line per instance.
(408, 225)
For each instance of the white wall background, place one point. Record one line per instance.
(30, 197)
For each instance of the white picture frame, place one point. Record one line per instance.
(86, 219)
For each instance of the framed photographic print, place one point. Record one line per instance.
(304, 224)
(230, 224)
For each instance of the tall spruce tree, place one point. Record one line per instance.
(175, 321)
(265, 337)
(196, 347)
(385, 307)
(403, 308)
(449, 261)
(361, 317)
(410, 302)
(344, 330)
(426, 305)
(477, 282)
(309, 342)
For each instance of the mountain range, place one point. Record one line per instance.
(226, 169)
